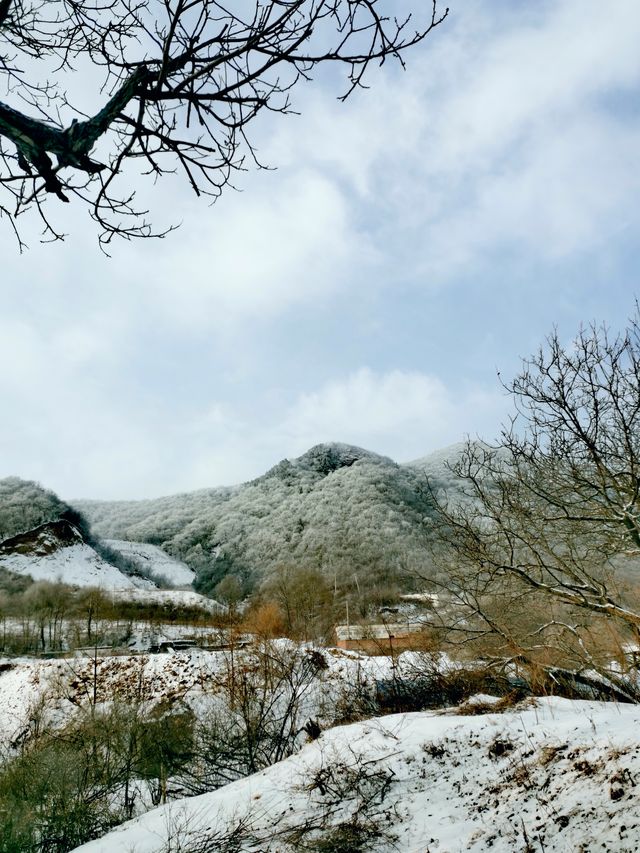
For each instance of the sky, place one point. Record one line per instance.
(411, 242)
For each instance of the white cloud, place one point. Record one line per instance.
(401, 413)
(524, 74)
(365, 403)
(500, 136)
(281, 245)
(509, 136)
(62, 423)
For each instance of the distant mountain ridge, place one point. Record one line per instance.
(338, 508)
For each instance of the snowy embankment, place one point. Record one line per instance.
(168, 598)
(195, 677)
(77, 565)
(549, 775)
(155, 560)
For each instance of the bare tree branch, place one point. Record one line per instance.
(546, 516)
(185, 80)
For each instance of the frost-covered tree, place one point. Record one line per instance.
(545, 546)
(25, 505)
(356, 517)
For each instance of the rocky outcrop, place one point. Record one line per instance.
(42, 540)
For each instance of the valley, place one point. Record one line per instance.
(274, 668)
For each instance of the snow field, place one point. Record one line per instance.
(77, 565)
(156, 560)
(547, 775)
(553, 775)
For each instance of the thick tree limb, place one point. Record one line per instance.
(5, 7)
(35, 139)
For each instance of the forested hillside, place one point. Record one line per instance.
(25, 505)
(337, 508)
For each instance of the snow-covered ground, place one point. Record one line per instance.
(550, 775)
(191, 675)
(547, 775)
(155, 560)
(177, 597)
(77, 564)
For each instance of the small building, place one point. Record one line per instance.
(381, 639)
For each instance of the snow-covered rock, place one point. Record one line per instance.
(77, 565)
(56, 551)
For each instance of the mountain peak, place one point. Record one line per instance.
(331, 456)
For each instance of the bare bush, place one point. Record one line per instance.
(259, 715)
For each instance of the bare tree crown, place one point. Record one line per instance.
(182, 80)
(543, 538)
(539, 543)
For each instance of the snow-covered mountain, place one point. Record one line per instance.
(337, 508)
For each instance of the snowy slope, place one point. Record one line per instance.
(58, 551)
(76, 564)
(195, 676)
(176, 597)
(155, 560)
(553, 775)
(21, 688)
